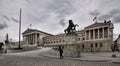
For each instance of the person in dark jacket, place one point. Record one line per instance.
(61, 52)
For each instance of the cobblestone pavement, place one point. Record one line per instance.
(12, 60)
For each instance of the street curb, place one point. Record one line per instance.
(47, 56)
(116, 62)
(75, 59)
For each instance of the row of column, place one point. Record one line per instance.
(32, 38)
(97, 33)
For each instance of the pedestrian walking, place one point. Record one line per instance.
(61, 52)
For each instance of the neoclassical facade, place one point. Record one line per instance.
(34, 37)
(97, 37)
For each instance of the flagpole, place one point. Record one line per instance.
(19, 47)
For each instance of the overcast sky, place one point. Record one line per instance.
(52, 16)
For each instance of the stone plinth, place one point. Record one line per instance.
(71, 48)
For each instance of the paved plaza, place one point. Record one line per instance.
(34, 58)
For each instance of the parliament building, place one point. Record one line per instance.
(97, 37)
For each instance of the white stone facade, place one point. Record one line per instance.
(97, 37)
(34, 37)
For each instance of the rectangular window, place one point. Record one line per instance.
(91, 45)
(96, 33)
(106, 32)
(101, 32)
(96, 44)
(91, 32)
(63, 40)
(78, 39)
(101, 45)
(87, 34)
(83, 38)
(83, 46)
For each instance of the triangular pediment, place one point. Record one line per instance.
(96, 25)
(34, 30)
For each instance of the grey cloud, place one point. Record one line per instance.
(6, 17)
(36, 17)
(15, 20)
(115, 11)
(3, 25)
(113, 15)
(116, 15)
(9, 19)
(28, 1)
(104, 17)
(62, 22)
(94, 13)
(62, 8)
(66, 11)
(116, 19)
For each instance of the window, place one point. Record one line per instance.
(101, 33)
(87, 34)
(96, 33)
(83, 38)
(60, 40)
(63, 40)
(83, 46)
(91, 32)
(91, 45)
(78, 39)
(101, 45)
(105, 32)
(96, 44)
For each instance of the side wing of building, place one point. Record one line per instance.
(97, 37)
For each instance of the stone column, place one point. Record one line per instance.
(89, 35)
(85, 35)
(103, 32)
(36, 38)
(28, 39)
(108, 31)
(33, 38)
(93, 33)
(98, 33)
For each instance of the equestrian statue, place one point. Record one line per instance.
(71, 27)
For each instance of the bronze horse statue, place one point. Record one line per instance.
(71, 27)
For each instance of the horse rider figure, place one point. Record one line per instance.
(71, 27)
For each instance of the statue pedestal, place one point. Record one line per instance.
(71, 48)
